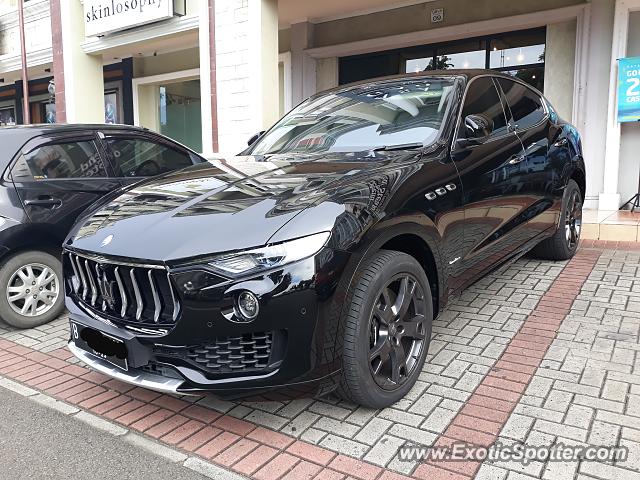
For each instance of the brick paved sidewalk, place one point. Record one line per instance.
(542, 352)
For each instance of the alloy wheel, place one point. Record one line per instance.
(33, 290)
(397, 331)
(573, 220)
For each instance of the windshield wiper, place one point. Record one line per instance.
(405, 146)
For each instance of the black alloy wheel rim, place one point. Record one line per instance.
(573, 220)
(397, 331)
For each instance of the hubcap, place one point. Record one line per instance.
(397, 331)
(33, 290)
(573, 220)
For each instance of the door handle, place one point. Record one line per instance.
(563, 142)
(516, 159)
(44, 202)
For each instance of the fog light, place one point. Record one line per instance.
(248, 305)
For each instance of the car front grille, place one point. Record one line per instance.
(141, 294)
(249, 352)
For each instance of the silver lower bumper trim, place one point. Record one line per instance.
(134, 377)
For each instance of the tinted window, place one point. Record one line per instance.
(526, 106)
(142, 158)
(60, 160)
(482, 99)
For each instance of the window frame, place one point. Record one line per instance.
(43, 140)
(507, 107)
(142, 136)
(459, 119)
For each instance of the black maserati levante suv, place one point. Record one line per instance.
(51, 174)
(318, 259)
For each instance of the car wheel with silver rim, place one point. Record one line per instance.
(33, 289)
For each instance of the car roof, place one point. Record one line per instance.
(466, 73)
(14, 137)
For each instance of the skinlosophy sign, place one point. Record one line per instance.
(107, 16)
(629, 89)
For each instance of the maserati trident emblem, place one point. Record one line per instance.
(106, 290)
(107, 240)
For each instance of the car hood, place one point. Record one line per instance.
(228, 204)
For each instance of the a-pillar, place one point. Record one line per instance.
(78, 76)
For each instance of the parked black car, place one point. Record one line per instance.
(51, 174)
(320, 257)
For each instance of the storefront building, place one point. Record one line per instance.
(212, 73)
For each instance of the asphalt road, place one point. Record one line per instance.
(37, 442)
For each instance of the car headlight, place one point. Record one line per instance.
(271, 256)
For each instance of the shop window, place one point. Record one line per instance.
(135, 157)
(461, 55)
(60, 161)
(482, 99)
(7, 116)
(517, 49)
(520, 54)
(179, 112)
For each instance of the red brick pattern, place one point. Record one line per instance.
(264, 454)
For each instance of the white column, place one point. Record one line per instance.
(264, 85)
(303, 66)
(246, 70)
(83, 78)
(609, 198)
(591, 90)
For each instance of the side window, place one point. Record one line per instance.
(60, 160)
(526, 106)
(482, 99)
(137, 157)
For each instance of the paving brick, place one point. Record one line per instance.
(312, 453)
(218, 444)
(151, 420)
(355, 468)
(235, 452)
(276, 467)
(198, 439)
(257, 459)
(271, 438)
(182, 432)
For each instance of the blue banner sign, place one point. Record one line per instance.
(629, 89)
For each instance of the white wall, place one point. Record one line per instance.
(630, 135)
(559, 66)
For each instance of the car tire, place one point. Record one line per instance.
(16, 274)
(564, 242)
(374, 324)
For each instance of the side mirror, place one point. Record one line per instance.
(253, 139)
(477, 128)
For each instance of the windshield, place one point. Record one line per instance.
(377, 116)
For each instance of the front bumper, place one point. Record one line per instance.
(301, 305)
(133, 377)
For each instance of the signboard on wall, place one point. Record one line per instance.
(629, 89)
(107, 16)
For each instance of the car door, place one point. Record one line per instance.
(58, 177)
(489, 173)
(530, 120)
(137, 156)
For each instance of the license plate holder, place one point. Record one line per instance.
(106, 347)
